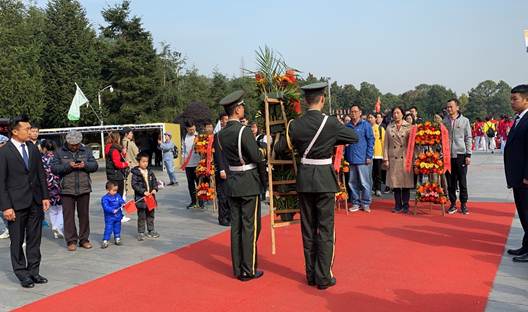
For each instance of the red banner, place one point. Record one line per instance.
(209, 152)
(446, 148)
(338, 158)
(410, 149)
(186, 162)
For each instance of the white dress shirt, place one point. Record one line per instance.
(18, 146)
(521, 115)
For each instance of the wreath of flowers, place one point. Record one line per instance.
(431, 192)
(428, 133)
(341, 196)
(428, 162)
(204, 192)
(201, 169)
(200, 144)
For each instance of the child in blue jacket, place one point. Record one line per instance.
(112, 203)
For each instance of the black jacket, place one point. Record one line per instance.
(113, 173)
(74, 181)
(516, 154)
(21, 187)
(140, 187)
(312, 178)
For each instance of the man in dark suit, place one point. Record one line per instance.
(222, 171)
(246, 179)
(516, 165)
(314, 135)
(23, 200)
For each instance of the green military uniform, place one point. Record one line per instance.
(244, 184)
(317, 185)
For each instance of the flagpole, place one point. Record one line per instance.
(101, 114)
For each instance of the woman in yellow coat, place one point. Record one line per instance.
(394, 156)
(377, 159)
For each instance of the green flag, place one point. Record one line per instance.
(75, 108)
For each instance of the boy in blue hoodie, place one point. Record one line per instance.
(112, 203)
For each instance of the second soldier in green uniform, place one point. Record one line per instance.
(246, 181)
(314, 136)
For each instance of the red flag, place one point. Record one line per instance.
(377, 107)
(130, 206)
(151, 202)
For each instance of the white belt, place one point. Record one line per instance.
(242, 168)
(316, 162)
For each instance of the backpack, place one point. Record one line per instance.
(175, 152)
(490, 132)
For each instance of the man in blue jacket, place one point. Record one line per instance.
(359, 156)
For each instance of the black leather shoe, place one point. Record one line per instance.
(245, 278)
(39, 279)
(311, 282)
(522, 259)
(517, 252)
(332, 283)
(27, 283)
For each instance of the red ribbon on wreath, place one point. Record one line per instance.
(446, 148)
(209, 152)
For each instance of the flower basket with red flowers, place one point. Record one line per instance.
(201, 169)
(428, 134)
(431, 192)
(205, 192)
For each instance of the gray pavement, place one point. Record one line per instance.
(179, 227)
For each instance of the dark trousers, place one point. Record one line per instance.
(520, 196)
(401, 198)
(120, 186)
(224, 213)
(192, 181)
(70, 204)
(457, 176)
(317, 227)
(245, 230)
(145, 216)
(347, 181)
(377, 177)
(27, 226)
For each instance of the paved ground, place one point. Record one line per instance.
(179, 227)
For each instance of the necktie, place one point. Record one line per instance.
(25, 155)
(516, 120)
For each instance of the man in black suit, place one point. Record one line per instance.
(516, 166)
(23, 200)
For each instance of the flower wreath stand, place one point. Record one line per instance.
(430, 150)
(341, 167)
(205, 170)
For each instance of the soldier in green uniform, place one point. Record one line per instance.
(246, 181)
(314, 136)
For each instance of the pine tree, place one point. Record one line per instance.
(131, 66)
(70, 55)
(21, 84)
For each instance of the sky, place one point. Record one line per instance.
(396, 44)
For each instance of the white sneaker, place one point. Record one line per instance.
(5, 234)
(125, 219)
(378, 193)
(366, 208)
(354, 208)
(56, 233)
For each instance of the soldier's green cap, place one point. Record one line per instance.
(235, 98)
(318, 87)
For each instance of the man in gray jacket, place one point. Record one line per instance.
(460, 139)
(73, 163)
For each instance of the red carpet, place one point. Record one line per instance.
(384, 262)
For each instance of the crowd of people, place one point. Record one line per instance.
(375, 150)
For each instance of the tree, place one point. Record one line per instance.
(367, 96)
(171, 64)
(69, 56)
(489, 99)
(130, 66)
(21, 83)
